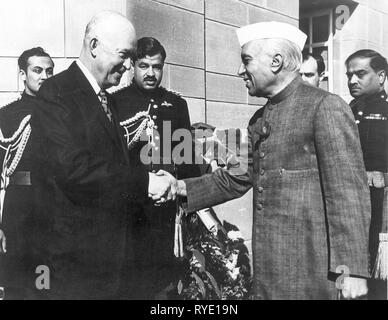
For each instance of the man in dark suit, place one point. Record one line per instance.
(310, 195)
(17, 273)
(156, 269)
(367, 72)
(84, 181)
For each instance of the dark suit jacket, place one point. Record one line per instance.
(83, 181)
(310, 194)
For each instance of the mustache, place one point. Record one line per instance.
(149, 79)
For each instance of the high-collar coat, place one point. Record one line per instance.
(311, 207)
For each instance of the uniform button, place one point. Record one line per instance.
(157, 138)
(357, 121)
(260, 189)
(156, 127)
(262, 155)
(154, 117)
(259, 206)
(152, 100)
(156, 148)
(360, 113)
(155, 106)
(262, 172)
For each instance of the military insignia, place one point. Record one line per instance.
(135, 126)
(166, 104)
(118, 88)
(375, 116)
(173, 92)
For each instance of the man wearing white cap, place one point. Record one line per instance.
(310, 194)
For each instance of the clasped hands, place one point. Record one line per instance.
(164, 187)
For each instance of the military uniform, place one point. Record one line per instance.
(371, 114)
(153, 227)
(17, 270)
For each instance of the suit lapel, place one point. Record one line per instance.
(88, 101)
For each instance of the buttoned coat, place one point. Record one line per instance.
(83, 183)
(310, 196)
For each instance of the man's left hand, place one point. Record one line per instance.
(376, 179)
(354, 288)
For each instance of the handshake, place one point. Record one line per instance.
(164, 187)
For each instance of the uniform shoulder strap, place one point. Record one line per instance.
(176, 93)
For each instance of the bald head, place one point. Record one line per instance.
(109, 42)
(106, 25)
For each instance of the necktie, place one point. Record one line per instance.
(104, 103)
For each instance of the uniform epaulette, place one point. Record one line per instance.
(172, 91)
(119, 88)
(6, 105)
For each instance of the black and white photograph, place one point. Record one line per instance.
(193, 150)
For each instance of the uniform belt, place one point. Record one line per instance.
(20, 178)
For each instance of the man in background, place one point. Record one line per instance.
(17, 271)
(312, 69)
(367, 72)
(156, 269)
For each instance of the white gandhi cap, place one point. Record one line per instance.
(271, 30)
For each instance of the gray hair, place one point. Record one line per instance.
(292, 56)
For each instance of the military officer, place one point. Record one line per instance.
(16, 204)
(166, 111)
(366, 72)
